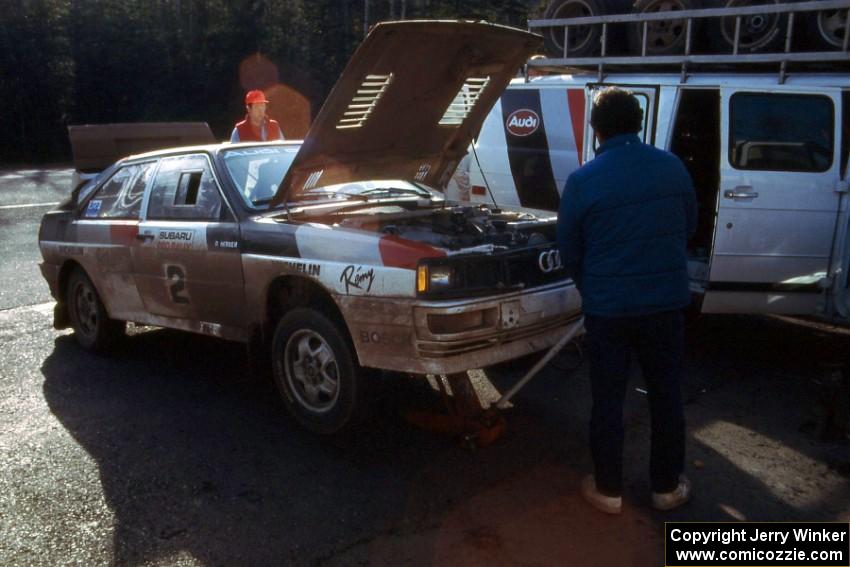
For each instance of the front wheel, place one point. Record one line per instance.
(93, 329)
(315, 371)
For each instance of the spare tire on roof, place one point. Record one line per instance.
(826, 28)
(759, 32)
(583, 40)
(665, 37)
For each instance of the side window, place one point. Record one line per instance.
(643, 101)
(781, 132)
(121, 196)
(185, 189)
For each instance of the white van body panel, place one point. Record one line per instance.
(785, 250)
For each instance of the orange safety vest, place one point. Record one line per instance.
(248, 134)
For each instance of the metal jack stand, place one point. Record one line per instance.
(465, 416)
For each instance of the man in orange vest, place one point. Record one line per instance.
(257, 127)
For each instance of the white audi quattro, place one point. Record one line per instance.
(337, 253)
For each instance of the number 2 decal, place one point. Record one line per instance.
(177, 284)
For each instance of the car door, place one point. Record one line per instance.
(189, 265)
(106, 236)
(778, 200)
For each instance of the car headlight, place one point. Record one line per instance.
(430, 279)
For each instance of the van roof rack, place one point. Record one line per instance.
(687, 60)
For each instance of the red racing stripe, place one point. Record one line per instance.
(575, 100)
(123, 232)
(397, 252)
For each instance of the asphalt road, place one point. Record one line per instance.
(175, 452)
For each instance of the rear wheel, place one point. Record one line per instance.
(315, 371)
(663, 37)
(93, 329)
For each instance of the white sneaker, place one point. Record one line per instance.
(674, 499)
(607, 504)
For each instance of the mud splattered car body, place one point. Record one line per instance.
(259, 242)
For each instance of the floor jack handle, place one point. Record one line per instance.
(574, 330)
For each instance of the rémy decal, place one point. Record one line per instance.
(358, 278)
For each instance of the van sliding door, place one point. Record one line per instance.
(779, 172)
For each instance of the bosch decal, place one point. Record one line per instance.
(383, 337)
(358, 278)
(522, 122)
(549, 261)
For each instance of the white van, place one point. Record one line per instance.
(767, 153)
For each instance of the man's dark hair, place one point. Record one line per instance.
(616, 111)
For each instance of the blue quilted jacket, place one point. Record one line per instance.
(623, 226)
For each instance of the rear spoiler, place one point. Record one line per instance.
(97, 146)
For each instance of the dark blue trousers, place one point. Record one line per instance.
(658, 342)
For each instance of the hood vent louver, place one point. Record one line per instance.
(364, 102)
(464, 101)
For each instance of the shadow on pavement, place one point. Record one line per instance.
(197, 457)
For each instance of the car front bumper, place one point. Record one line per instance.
(443, 337)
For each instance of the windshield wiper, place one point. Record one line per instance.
(391, 191)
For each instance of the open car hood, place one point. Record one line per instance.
(407, 105)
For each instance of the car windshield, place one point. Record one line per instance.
(257, 172)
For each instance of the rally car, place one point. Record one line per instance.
(337, 252)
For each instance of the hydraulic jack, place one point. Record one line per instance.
(465, 416)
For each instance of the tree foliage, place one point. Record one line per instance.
(98, 61)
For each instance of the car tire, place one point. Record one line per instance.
(316, 373)
(584, 40)
(759, 32)
(665, 37)
(826, 29)
(94, 331)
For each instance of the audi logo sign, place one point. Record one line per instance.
(522, 122)
(549, 261)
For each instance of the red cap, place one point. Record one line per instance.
(255, 97)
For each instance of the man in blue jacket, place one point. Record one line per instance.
(623, 226)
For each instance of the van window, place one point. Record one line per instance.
(781, 132)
